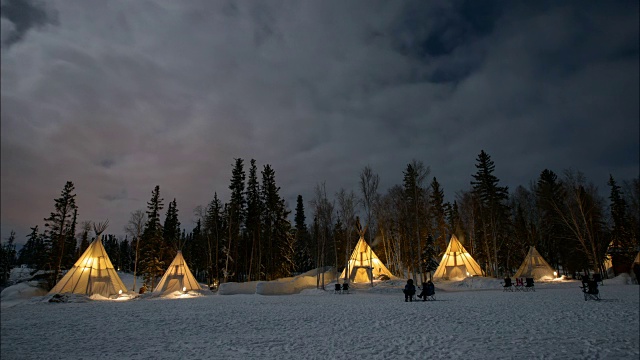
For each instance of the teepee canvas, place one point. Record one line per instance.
(178, 277)
(456, 262)
(93, 273)
(534, 266)
(364, 264)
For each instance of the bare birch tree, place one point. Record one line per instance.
(135, 228)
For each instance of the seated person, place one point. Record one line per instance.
(428, 289)
(409, 291)
(431, 289)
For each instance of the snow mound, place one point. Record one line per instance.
(283, 286)
(622, 279)
(21, 292)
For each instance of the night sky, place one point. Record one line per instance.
(120, 96)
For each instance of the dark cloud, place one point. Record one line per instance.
(123, 96)
(22, 16)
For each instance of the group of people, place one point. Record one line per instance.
(428, 289)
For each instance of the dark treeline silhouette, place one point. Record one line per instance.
(251, 238)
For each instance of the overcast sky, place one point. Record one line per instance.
(120, 96)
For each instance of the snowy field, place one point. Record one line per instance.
(472, 318)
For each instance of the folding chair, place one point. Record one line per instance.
(590, 290)
(345, 288)
(507, 285)
(529, 286)
(598, 278)
(430, 294)
(519, 284)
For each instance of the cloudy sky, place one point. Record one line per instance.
(120, 96)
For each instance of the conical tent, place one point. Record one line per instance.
(534, 266)
(92, 274)
(456, 262)
(178, 277)
(364, 264)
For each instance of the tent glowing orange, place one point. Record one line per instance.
(178, 277)
(456, 262)
(364, 264)
(92, 274)
(535, 266)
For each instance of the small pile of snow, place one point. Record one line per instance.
(622, 279)
(20, 274)
(21, 292)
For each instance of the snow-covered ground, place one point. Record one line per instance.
(469, 319)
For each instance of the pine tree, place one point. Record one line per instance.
(252, 225)
(551, 245)
(71, 243)
(429, 256)
(415, 198)
(34, 253)
(304, 260)
(235, 213)
(7, 258)
(493, 225)
(151, 263)
(214, 232)
(438, 214)
(623, 243)
(58, 225)
(277, 245)
(170, 234)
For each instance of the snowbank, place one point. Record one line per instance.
(234, 288)
(284, 286)
(21, 292)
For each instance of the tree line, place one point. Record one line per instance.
(251, 238)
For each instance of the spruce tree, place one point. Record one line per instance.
(214, 232)
(170, 234)
(235, 213)
(278, 249)
(438, 215)
(71, 243)
(252, 251)
(415, 198)
(151, 263)
(58, 225)
(429, 256)
(7, 258)
(552, 243)
(304, 260)
(493, 228)
(622, 240)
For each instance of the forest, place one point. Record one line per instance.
(254, 236)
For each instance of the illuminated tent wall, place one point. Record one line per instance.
(178, 277)
(534, 266)
(363, 264)
(456, 262)
(93, 273)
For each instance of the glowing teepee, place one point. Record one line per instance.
(364, 265)
(178, 277)
(534, 266)
(93, 273)
(456, 262)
